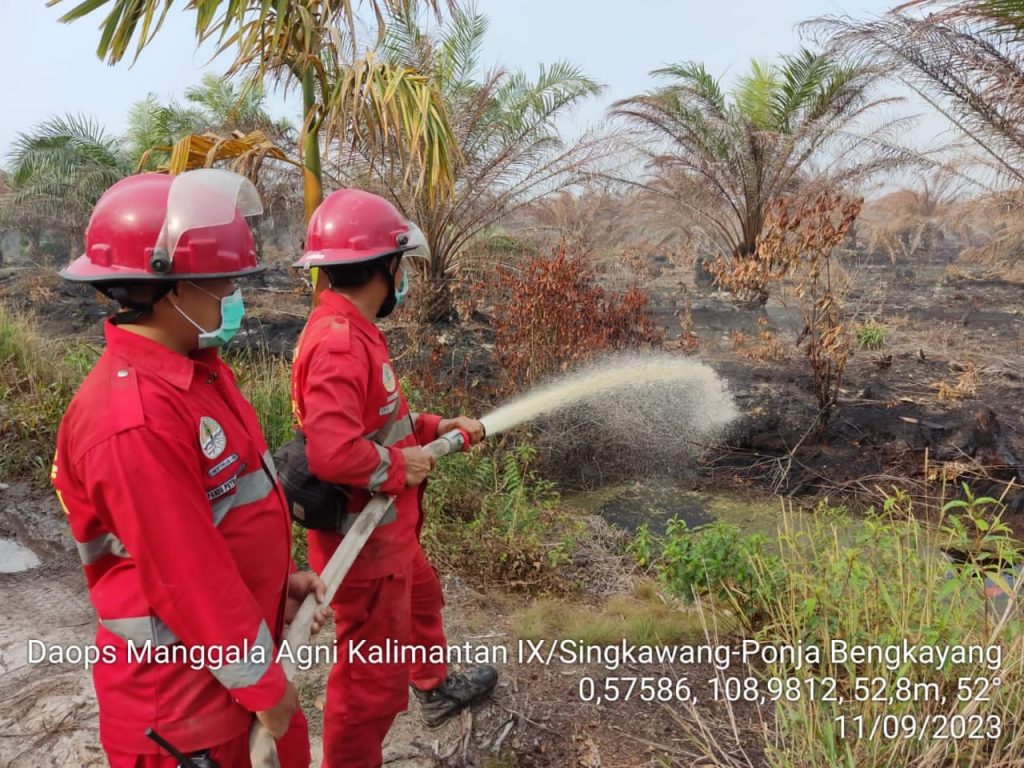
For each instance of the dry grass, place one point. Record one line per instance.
(964, 388)
(765, 348)
(645, 617)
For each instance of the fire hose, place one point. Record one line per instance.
(262, 749)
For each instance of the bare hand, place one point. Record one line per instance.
(472, 427)
(277, 718)
(418, 464)
(299, 585)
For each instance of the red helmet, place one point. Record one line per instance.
(142, 230)
(351, 226)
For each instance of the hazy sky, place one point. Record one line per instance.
(51, 68)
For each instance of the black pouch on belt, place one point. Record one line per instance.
(314, 504)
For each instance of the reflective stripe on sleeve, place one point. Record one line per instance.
(380, 474)
(141, 630)
(398, 431)
(248, 672)
(100, 546)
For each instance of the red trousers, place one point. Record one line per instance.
(292, 751)
(364, 695)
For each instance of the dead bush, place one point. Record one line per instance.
(553, 315)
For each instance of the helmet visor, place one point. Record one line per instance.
(417, 247)
(207, 197)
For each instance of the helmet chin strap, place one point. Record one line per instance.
(135, 309)
(392, 299)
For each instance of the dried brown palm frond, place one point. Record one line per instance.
(246, 151)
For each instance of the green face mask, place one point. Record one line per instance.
(403, 288)
(232, 310)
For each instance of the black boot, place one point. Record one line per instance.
(458, 691)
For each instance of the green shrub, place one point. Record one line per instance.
(489, 517)
(717, 560)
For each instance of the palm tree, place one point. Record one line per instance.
(227, 106)
(57, 172)
(152, 123)
(301, 42)
(727, 157)
(504, 128)
(215, 106)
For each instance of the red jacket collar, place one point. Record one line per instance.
(337, 304)
(173, 367)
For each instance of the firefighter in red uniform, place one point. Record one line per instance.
(170, 492)
(360, 433)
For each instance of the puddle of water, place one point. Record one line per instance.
(15, 558)
(655, 503)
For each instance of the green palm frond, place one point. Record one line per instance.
(693, 78)
(803, 80)
(135, 22)
(462, 44)
(58, 170)
(224, 104)
(756, 93)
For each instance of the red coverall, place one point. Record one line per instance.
(185, 538)
(350, 405)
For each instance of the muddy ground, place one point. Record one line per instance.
(891, 429)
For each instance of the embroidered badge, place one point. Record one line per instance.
(212, 439)
(390, 382)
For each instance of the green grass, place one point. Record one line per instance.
(886, 586)
(870, 336)
(38, 377)
(265, 380)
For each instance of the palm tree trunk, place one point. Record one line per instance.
(435, 303)
(312, 183)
